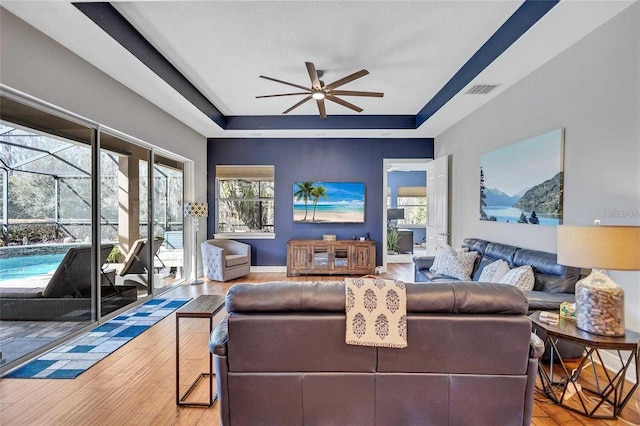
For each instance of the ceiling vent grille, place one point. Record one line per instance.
(481, 89)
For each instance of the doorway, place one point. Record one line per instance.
(404, 210)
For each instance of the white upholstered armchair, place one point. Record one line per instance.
(224, 260)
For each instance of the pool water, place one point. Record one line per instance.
(28, 266)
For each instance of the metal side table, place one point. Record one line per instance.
(205, 306)
(610, 394)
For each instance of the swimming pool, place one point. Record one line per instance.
(23, 267)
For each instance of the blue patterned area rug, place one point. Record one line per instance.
(76, 356)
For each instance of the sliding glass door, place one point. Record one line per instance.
(85, 232)
(168, 217)
(47, 252)
(124, 211)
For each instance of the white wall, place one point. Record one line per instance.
(37, 65)
(593, 91)
(33, 63)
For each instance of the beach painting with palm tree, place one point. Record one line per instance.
(328, 202)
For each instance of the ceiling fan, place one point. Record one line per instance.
(320, 91)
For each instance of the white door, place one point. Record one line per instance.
(437, 204)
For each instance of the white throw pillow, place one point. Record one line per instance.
(457, 265)
(522, 277)
(438, 257)
(493, 272)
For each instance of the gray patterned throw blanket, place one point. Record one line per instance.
(376, 312)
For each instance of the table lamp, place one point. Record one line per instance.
(196, 210)
(599, 300)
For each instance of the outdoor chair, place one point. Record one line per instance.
(65, 297)
(136, 263)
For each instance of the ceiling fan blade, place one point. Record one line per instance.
(346, 79)
(343, 103)
(357, 93)
(283, 94)
(287, 83)
(298, 104)
(323, 111)
(313, 75)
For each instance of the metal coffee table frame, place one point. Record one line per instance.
(612, 390)
(205, 306)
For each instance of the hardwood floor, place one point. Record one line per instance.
(136, 384)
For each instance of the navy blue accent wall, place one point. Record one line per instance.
(337, 160)
(414, 178)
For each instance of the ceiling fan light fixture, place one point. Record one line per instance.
(319, 91)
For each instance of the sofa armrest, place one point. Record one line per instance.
(423, 262)
(219, 338)
(536, 346)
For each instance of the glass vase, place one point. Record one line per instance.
(600, 305)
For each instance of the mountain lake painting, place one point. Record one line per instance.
(523, 182)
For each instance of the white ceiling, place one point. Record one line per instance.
(411, 50)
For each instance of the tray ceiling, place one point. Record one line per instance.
(413, 51)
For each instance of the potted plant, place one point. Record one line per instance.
(392, 240)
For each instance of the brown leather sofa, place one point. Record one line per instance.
(281, 358)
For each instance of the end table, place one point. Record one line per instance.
(205, 306)
(608, 395)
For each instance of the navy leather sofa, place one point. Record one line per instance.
(554, 283)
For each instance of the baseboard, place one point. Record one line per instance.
(612, 363)
(268, 269)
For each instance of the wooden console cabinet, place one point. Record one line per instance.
(343, 257)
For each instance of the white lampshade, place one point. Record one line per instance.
(601, 247)
(599, 300)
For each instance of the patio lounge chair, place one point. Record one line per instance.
(67, 295)
(136, 263)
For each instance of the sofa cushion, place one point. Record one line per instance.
(457, 265)
(521, 277)
(437, 260)
(493, 252)
(235, 259)
(546, 301)
(440, 252)
(435, 277)
(475, 244)
(550, 276)
(494, 272)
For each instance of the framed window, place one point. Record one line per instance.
(414, 201)
(245, 200)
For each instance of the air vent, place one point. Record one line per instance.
(481, 89)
